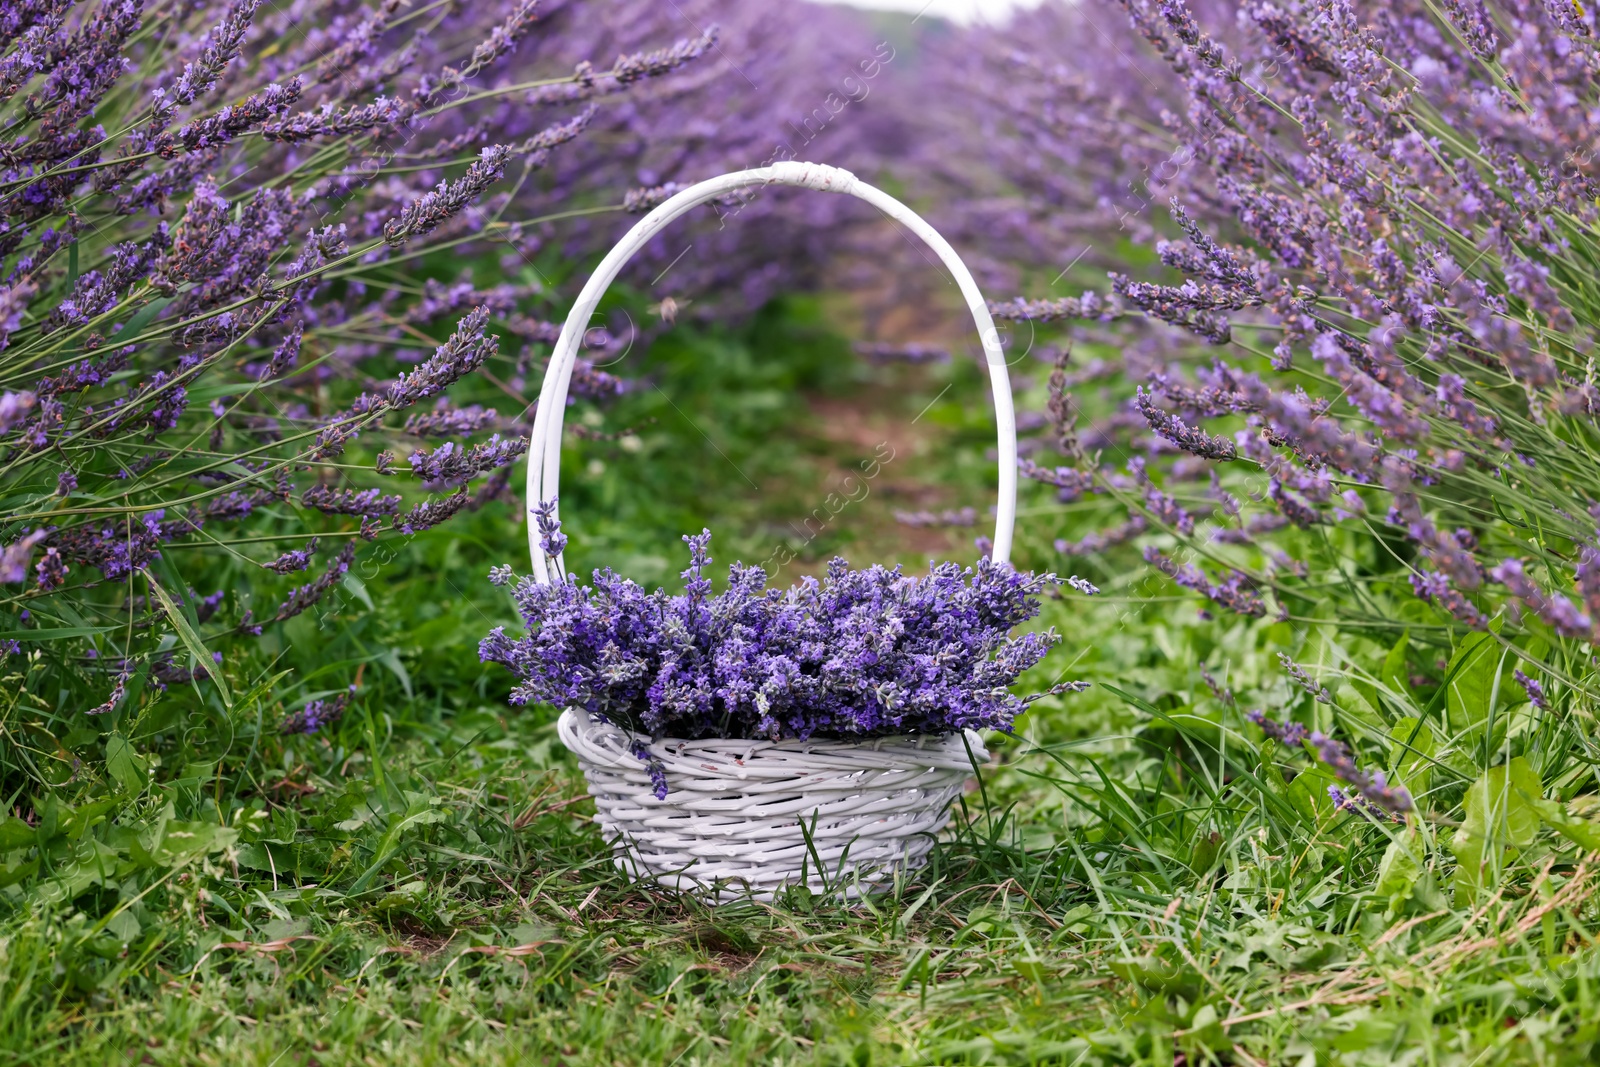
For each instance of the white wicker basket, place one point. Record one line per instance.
(745, 817)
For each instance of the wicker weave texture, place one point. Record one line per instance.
(736, 819)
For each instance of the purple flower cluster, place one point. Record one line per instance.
(1374, 789)
(450, 465)
(1298, 675)
(1534, 688)
(1285, 733)
(1236, 592)
(863, 653)
(316, 714)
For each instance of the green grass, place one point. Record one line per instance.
(1135, 881)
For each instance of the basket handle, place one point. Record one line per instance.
(544, 445)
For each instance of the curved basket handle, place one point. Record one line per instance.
(544, 444)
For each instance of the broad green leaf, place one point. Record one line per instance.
(420, 811)
(358, 589)
(391, 660)
(1394, 673)
(174, 843)
(1399, 870)
(1502, 812)
(125, 765)
(92, 863)
(124, 926)
(77, 821)
(1353, 699)
(1309, 794)
(16, 867)
(1473, 671)
(1581, 832)
(191, 640)
(16, 833)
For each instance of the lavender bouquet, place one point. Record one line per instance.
(864, 653)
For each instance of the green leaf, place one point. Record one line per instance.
(1138, 702)
(1400, 869)
(141, 319)
(1394, 673)
(1472, 674)
(391, 659)
(16, 867)
(16, 833)
(174, 844)
(72, 265)
(1581, 832)
(191, 640)
(1309, 794)
(1503, 812)
(125, 765)
(420, 811)
(1411, 751)
(55, 633)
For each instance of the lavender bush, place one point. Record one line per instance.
(1384, 218)
(231, 307)
(864, 653)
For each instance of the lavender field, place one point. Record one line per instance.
(1289, 691)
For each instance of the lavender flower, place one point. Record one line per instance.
(1096, 543)
(641, 201)
(1291, 734)
(1533, 688)
(653, 764)
(431, 513)
(429, 212)
(51, 570)
(14, 558)
(296, 559)
(383, 114)
(552, 542)
(1354, 800)
(1083, 585)
(367, 503)
(885, 353)
(447, 421)
(14, 407)
(1194, 441)
(284, 355)
(947, 517)
(1219, 691)
(1373, 788)
(119, 689)
(1236, 592)
(450, 465)
(466, 350)
(1298, 675)
(1560, 612)
(316, 714)
(307, 596)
